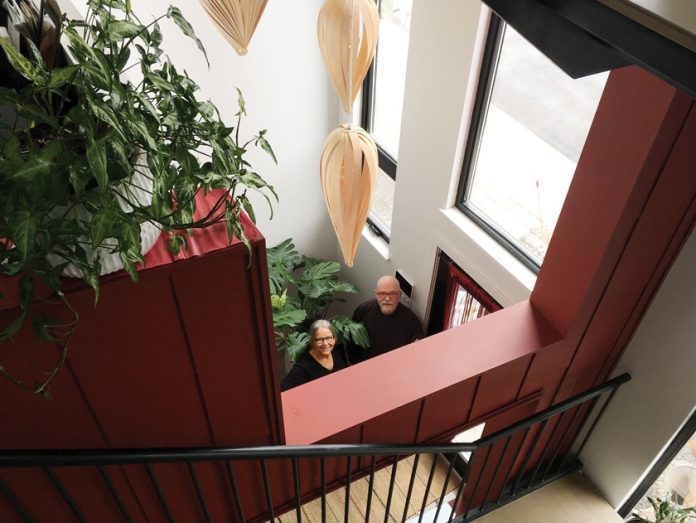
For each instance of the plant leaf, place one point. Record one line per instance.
(20, 64)
(175, 14)
(96, 157)
(60, 75)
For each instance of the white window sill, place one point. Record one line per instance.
(377, 242)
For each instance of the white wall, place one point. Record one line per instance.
(649, 409)
(441, 76)
(287, 91)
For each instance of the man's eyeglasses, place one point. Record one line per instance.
(327, 339)
(385, 294)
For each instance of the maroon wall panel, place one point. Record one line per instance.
(499, 387)
(398, 426)
(623, 144)
(131, 358)
(446, 410)
(223, 337)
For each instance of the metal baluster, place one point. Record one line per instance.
(427, 486)
(478, 480)
(18, 506)
(267, 488)
(323, 489)
(199, 492)
(444, 487)
(528, 456)
(107, 479)
(464, 481)
(369, 490)
(546, 448)
(74, 507)
(561, 440)
(349, 466)
(596, 420)
(158, 491)
(497, 469)
(298, 494)
(512, 464)
(412, 481)
(235, 491)
(391, 489)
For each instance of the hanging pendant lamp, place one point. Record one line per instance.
(348, 172)
(236, 19)
(348, 32)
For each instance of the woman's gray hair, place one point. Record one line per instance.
(320, 324)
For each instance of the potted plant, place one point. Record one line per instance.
(664, 512)
(81, 129)
(302, 290)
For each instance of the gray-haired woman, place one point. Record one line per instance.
(320, 360)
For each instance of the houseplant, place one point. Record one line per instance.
(302, 290)
(665, 512)
(79, 132)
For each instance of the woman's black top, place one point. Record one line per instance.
(307, 368)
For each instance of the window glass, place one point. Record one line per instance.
(390, 73)
(383, 99)
(531, 131)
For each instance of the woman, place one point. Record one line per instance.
(320, 360)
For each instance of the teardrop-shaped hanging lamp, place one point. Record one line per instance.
(348, 176)
(348, 32)
(236, 19)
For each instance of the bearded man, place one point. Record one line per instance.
(389, 323)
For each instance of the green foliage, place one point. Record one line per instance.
(79, 128)
(302, 290)
(665, 512)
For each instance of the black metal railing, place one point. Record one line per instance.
(259, 483)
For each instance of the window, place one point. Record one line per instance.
(466, 300)
(383, 96)
(528, 128)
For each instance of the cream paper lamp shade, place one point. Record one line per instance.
(348, 175)
(236, 19)
(348, 32)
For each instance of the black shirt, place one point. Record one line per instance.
(387, 331)
(307, 368)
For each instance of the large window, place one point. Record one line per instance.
(528, 129)
(383, 97)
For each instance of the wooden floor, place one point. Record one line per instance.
(335, 501)
(571, 499)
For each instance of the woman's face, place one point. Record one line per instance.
(323, 342)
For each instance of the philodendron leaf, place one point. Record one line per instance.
(288, 318)
(121, 29)
(99, 228)
(96, 157)
(60, 75)
(20, 64)
(26, 291)
(261, 140)
(42, 325)
(13, 327)
(175, 14)
(24, 227)
(240, 102)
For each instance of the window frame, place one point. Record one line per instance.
(387, 163)
(484, 89)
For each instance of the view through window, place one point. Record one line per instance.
(382, 103)
(528, 130)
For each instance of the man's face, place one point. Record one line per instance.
(388, 296)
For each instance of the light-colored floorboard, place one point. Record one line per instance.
(571, 499)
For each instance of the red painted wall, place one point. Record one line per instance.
(161, 363)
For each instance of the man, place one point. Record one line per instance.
(389, 323)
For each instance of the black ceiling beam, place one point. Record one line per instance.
(585, 37)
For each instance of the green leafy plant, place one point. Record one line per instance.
(665, 512)
(76, 134)
(302, 290)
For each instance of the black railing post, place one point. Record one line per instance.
(387, 509)
(298, 492)
(18, 506)
(433, 465)
(199, 492)
(349, 467)
(158, 491)
(235, 491)
(444, 486)
(414, 471)
(267, 489)
(58, 484)
(370, 486)
(114, 493)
